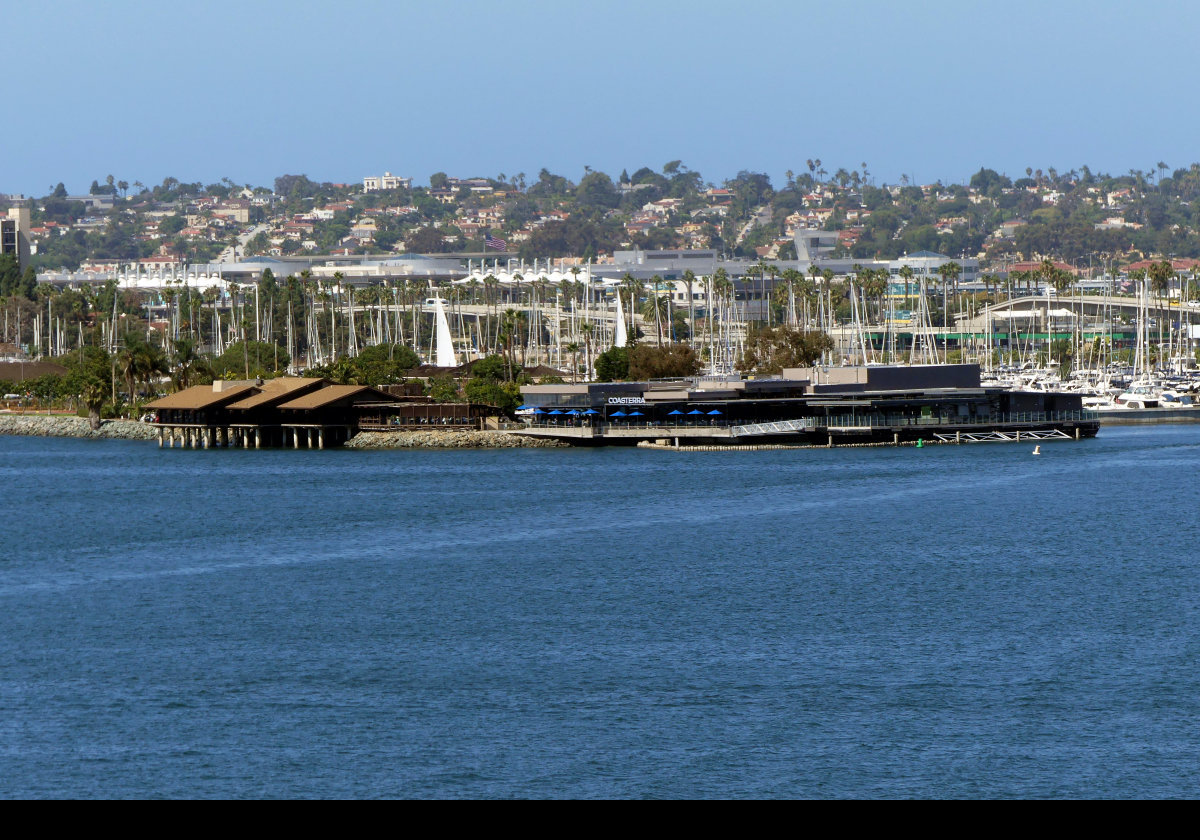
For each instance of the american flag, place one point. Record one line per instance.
(493, 242)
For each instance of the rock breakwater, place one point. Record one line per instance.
(447, 439)
(57, 425)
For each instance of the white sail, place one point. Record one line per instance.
(444, 344)
(621, 337)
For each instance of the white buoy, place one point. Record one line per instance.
(1037, 450)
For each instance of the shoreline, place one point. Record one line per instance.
(65, 425)
(449, 439)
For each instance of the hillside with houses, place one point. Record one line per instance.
(1083, 218)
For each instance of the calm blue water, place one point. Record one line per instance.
(948, 622)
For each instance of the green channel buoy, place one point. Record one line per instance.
(920, 443)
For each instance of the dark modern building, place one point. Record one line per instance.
(874, 404)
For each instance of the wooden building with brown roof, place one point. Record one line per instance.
(329, 415)
(288, 411)
(297, 412)
(198, 407)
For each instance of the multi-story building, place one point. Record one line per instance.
(14, 231)
(927, 264)
(387, 181)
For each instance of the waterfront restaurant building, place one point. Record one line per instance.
(822, 405)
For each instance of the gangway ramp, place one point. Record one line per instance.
(778, 427)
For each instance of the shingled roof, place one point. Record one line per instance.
(276, 389)
(337, 393)
(201, 396)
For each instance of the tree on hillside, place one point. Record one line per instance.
(171, 225)
(571, 238)
(987, 180)
(596, 192)
(549, 185)
(10, 276)
(426, 240)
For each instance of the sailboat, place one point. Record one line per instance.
(622, 337)
(443, 343)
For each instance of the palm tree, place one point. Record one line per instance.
(189, 365)
(127, 362)
(1160, 274)
(1020, 277)
(791, 280)
(949, 273)
(94, 393)
(689, 277)
(773, 270)
(723, 291)
(875, 284)
(139, 362)
(491, 285)
(807, 295)
(586, 328)
(573, 349)
(654, 307)
(906, 272)
(335, 288)
(541, 288)
(633, 287)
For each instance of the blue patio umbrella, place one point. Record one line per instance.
(538, 411)
(695, 411)
(676, 411)
(556, 411)
(714, 411)
(524, 407)
(636, 414)
(617, 413)
(591, 411)
(574, 412)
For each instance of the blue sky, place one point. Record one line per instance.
(251, 90)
